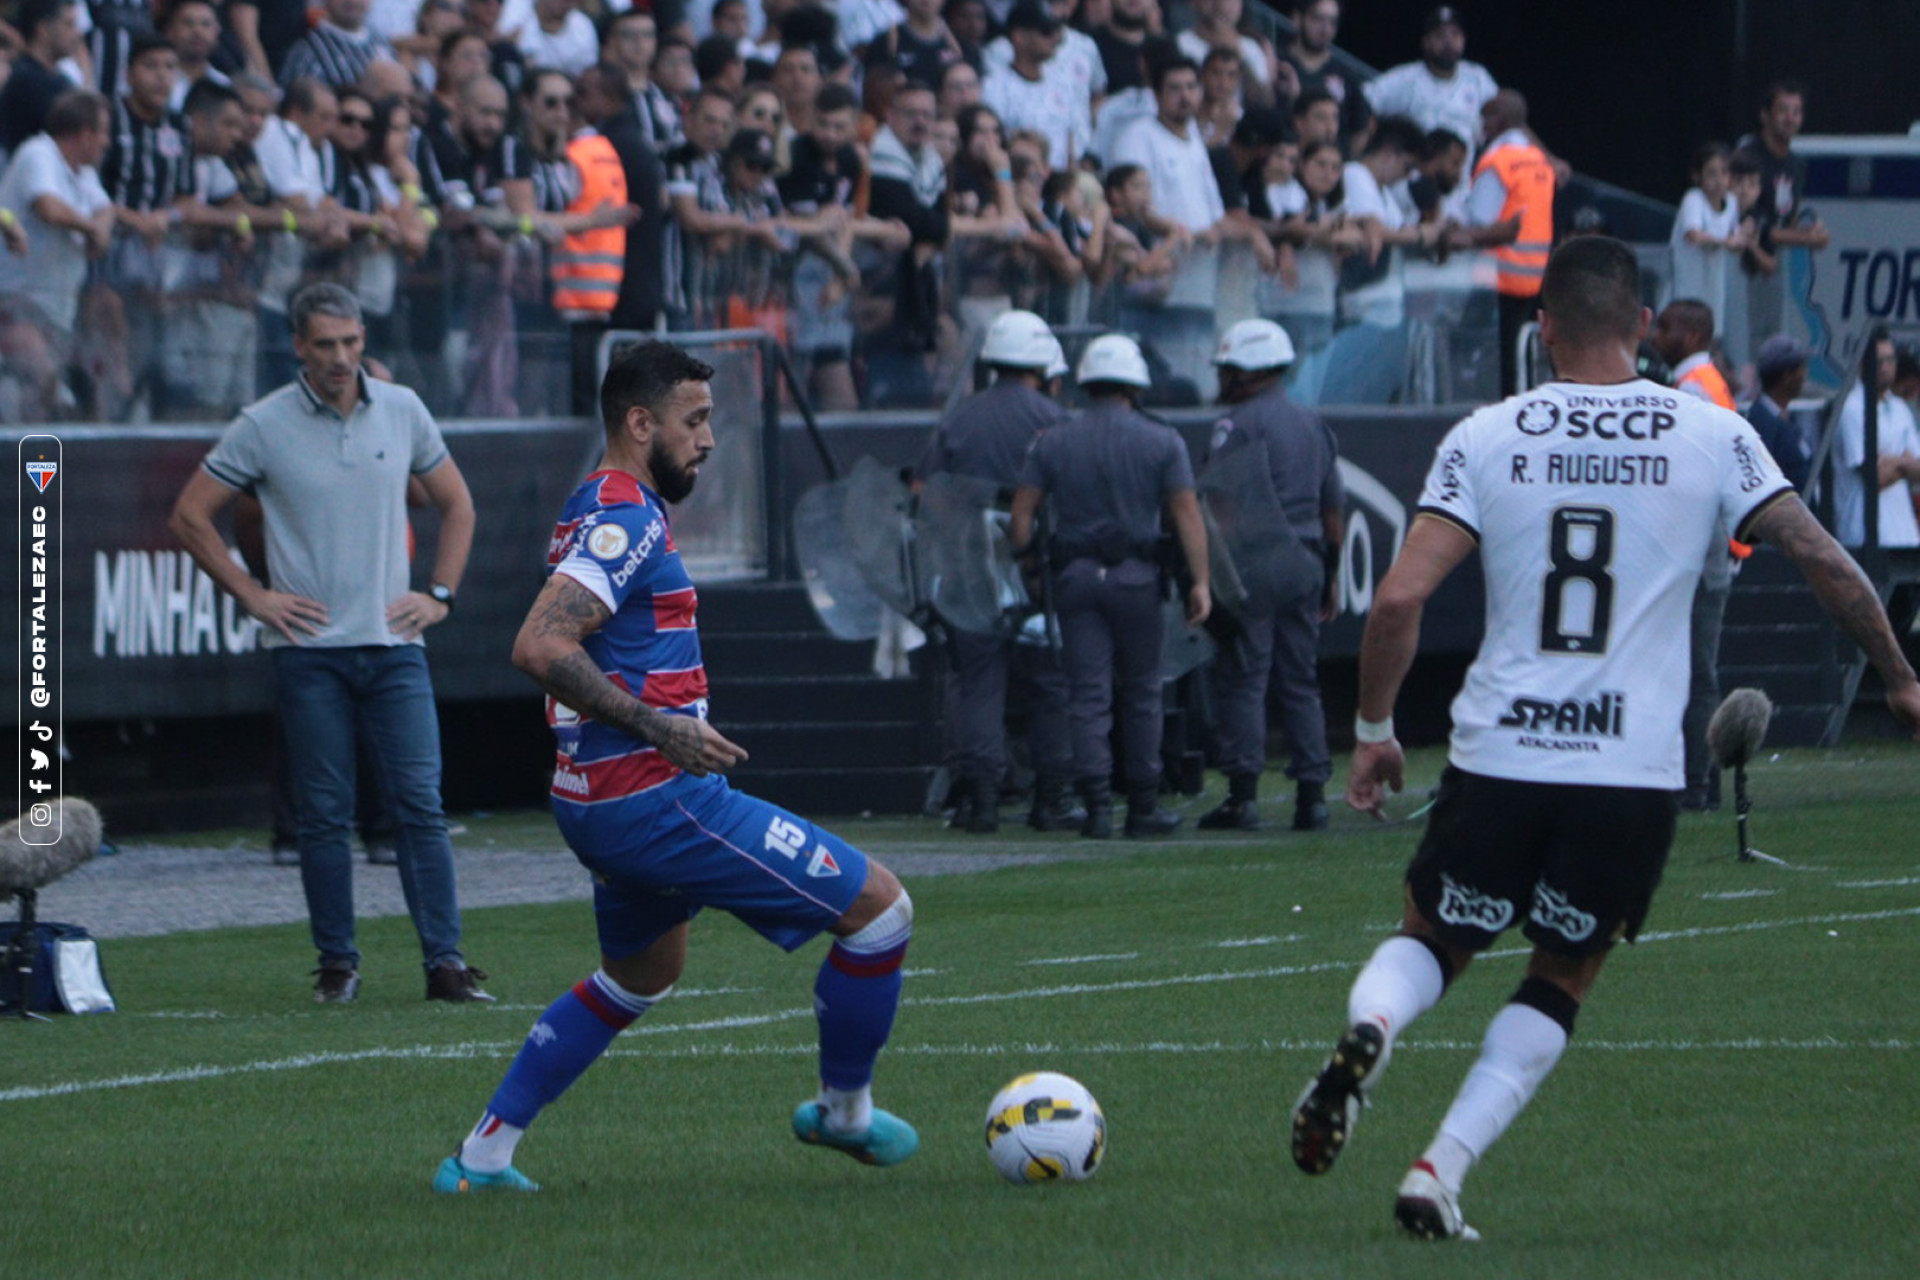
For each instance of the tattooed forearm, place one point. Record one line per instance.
(577, 681)
(1838, 583)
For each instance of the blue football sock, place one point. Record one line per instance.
(856, 996)
(575, 1030)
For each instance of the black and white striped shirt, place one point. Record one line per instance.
(115, 23)
(148, 165)
(336, 57)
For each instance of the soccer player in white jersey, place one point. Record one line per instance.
(1591, 500)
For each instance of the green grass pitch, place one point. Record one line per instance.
(1741, 1099)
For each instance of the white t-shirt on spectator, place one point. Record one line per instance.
(1700, 271)
(1453, 104)
(1117, 114)
(1286, 198)
(1383, 301)
(1183, 186)
(1076, 66)
(1046, 105)
(1897, 432)
(394, 18)
(862, 20)
(290, 161)
(572, 49)
(54, 266)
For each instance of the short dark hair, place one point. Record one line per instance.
(1396, 133)
(1705, 154)
(713, 56)
(454, 39)
(35, 14)
(645, 374)
(1310, 99)
(146, 42)
(1161, 70)
(1744, 164)
(76, 111)
(1119, 176)
(1592, 289)
(834, 96)
(207, 96)
(1440, 141)
(1693, 317)
(303, 92)
(1782, 87)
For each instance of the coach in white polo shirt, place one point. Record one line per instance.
(330, 456)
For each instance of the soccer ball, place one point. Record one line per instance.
(1046, 1127)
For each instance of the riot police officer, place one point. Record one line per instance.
(1108, 476)
(988, 436)
(1296, 588)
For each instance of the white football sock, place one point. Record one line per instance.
(849, 1111)
(489, 1148)
(1402, 981)
(1521, 1047)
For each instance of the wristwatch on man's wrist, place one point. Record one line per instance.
(443, 593)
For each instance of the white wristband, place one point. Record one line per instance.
(1370, 732)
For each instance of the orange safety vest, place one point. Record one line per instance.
(1523, 170)
(588, 265)
(1710, 380)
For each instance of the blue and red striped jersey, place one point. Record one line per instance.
(615, 540)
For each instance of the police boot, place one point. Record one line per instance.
(1053, 807)
(984, 818)
(1145, 816)
(1310, 807)
(1239, 811)
(960, 796)
(1097, 795)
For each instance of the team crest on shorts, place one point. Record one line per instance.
(1469, 907)
(1551, 910)
(607, 542)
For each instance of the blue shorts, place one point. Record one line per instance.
(658, 858)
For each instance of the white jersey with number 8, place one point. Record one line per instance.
(1594, 507)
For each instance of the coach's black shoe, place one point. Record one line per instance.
(455, 983)
(1310, 807)
(337, 984)
(1054, 808)
(1324, 1117)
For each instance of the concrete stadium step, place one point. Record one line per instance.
(848, 699)
(756, 653)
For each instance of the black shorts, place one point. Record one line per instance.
(1581, 863)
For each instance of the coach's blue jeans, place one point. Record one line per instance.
(386, 690)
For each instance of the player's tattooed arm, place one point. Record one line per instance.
(1845, 592)
(548, 649)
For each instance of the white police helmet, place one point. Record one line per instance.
(1019, 340)
(1057, 364)
(1114, 357)
(1255, 345)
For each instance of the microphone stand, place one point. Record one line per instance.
(16, 962)
(1743, 805)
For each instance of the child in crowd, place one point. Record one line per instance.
(1707, 230)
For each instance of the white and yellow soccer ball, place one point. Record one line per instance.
(1046, 1127)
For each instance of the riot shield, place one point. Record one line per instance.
(1182, 648)
(853, 541)
(964, 565)
(1266, 563)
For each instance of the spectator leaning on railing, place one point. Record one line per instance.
(58, 217)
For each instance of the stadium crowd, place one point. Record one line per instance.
(871, 181)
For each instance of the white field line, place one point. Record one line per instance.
(1876, 884)
(1118, 955)
(25, 1093)
(1231, 943)
(1734, 895)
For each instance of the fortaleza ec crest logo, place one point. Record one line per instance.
(41, 473)
(1537, 417)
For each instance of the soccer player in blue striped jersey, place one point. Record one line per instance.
(639, 794)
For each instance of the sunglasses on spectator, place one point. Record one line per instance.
(359, 122)
(555, 100)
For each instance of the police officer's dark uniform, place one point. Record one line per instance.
(1107, 475)
(1280, 651)
(988, 436)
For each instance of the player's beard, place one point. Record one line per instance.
(671, 481)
